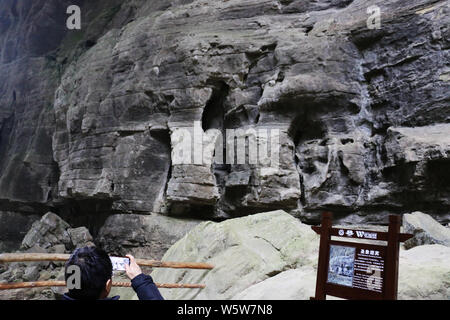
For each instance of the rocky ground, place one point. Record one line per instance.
(264, 256)
(89, 119)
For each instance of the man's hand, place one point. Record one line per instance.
(133, 270)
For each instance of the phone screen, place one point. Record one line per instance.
(119, 263)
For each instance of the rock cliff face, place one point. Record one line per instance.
(89, 119)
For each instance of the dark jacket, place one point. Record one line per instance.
(143, 285)
(145, 288)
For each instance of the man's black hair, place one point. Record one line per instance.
(96, 269)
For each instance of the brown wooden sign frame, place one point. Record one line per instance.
(386, 259)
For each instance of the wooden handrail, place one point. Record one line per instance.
(48, 284)
(38, 257)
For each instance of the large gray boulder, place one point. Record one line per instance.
(144, 236)
(244, 251)
(425, 273)
(47, 232)
(295, 284)
(425, 229)
(362, 113)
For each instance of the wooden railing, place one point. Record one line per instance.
(39, 257)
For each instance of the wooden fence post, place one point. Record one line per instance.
(392, 258)
(359, 270)
(322, 267)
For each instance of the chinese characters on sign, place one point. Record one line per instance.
(354, 270)
(369, 268)
(356, 267)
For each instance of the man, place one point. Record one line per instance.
(96, 277)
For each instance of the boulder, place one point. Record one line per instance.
(426, 230)
(424, 273)
(244, 251)
(358, 141)
(51, 232)
(124, 293)
(296, 284)
(145, 236)
(407, 145)
(47, 232)
(80, 237)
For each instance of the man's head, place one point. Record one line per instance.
(96, 273)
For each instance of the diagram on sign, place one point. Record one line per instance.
(341, 266)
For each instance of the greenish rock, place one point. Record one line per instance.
(80, 237)
(124, 293)
(424, 273)
(296, 284)
(244, 251)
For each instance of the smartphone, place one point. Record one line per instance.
(119, 263)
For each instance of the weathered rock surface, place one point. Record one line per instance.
(425, 229)
(255, 72)
(295, 284)
(424, 273)
(244, 251)
(143, 236)
(92, 115)
(51, 230)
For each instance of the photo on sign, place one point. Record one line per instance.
(341, 265)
